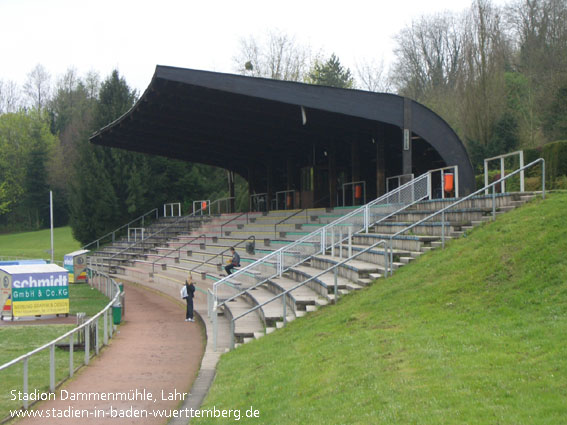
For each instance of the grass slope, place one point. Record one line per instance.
(473, 334)
(16, 340)
(37, 244)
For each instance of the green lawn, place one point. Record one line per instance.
(16, 340)
(473, 334)
(37, 244)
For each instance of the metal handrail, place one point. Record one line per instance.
(502, 168)
(184, 218)
(354, 184)
(331, 246)
(178, 250)
(300, 284)
(219, 201)
(493, 185)
(120, 228)
(287, 218)
(51, 344)
(360, 210)
(285, 198)
(253, 238)
(231, 220)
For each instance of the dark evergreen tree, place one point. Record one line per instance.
(331, 73)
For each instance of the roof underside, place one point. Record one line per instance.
(238, 122)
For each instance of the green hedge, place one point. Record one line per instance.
(555, 155)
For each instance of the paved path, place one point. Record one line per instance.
(155, 351)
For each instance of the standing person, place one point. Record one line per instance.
(234, 262)
(187, 293)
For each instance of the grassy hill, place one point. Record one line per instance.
(37, 244)
(473, 334)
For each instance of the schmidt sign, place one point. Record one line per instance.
(36, 289)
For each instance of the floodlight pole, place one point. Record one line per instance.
(51, 216)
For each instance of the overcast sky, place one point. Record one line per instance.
(136, 35)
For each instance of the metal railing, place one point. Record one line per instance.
(205, 204)
(141, 219)
(398, 180)
(221, 254)
(110, 288)
(478, 192)
(287, 218)
(138, 233)
(443, 173)
(259, 202)
(178, 250)
(287, 194)
(503, 170)
(355, 185)
(317, 242)
(231, 220)
(334, 268)
(171, 208)
(219, 203)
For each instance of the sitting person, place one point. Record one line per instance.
(234, 262)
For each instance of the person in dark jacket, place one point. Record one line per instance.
(234, 262)
(187, 293)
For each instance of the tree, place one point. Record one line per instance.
(372, 76)
(331, 73)
(9, 97)
(38, 87)
(100, 194)
(26, 147)
(278, 56)
(428, 56)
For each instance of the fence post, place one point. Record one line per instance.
(232, 334)
(493, 202)
(52, 368)
(336, 284)
(443, 230)
(284, 309)
(502, 172)
(332, 242)
(87, 344)
(543, 179)
(215, 328)
(26, 375)
(486, 176)
(522, 186)
(110, 323)
(71, 350)
(349, 242)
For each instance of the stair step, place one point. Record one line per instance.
(364, 282)
(259, 335)
(310, 308)
(321, 302)
(270, 330)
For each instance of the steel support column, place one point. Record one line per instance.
(406, 138)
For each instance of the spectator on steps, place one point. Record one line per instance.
(234, 262)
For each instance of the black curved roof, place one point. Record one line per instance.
(235, 122)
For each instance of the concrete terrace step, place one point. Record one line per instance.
(301, 296)
(272, 311)
(246, 326)
(323, 285)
